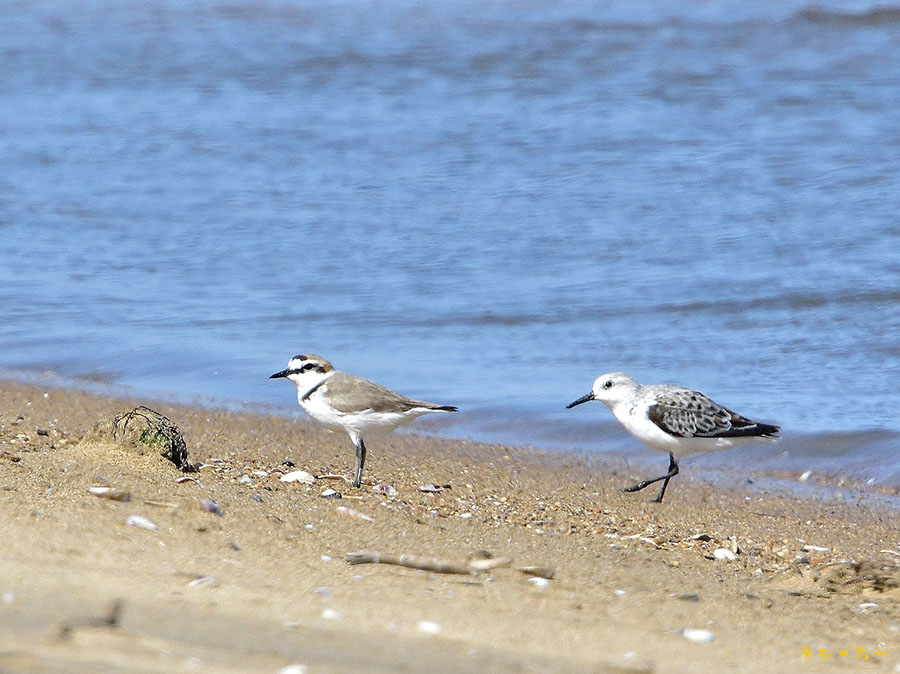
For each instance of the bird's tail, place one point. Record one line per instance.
(768, 430)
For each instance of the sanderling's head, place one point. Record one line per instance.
(610, 388)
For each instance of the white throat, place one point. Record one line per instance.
(308, 382)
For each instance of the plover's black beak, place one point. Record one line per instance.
(582, 399)
(278, 375)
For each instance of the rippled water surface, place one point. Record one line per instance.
(485, 204)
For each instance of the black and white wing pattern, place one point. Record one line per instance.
(690, 414)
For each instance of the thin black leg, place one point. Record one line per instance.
(360, 460)
(673, 471)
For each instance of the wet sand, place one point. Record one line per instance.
(266, 585)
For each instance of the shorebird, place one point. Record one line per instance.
(359, 406)
(674, 419)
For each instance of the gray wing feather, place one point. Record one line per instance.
(687, 414)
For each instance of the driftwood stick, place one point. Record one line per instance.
(468, 568)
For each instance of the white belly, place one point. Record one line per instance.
(364, 422)
(636, 422)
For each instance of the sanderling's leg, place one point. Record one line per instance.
(673, 471)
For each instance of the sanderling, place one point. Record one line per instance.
(674, 419)
(359, 406)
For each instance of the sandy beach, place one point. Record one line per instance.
(244, 572)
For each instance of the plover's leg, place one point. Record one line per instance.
(673, 471)
(360, 459)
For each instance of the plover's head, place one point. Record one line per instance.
(305, 370)
(610, 388)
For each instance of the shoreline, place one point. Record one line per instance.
(828, 481)
(266, 585)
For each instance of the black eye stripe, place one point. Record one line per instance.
(305, 367)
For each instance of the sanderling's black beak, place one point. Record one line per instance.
(582, 399)
(278, 375)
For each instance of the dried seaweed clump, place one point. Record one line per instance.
(853, 576)
(161, 433)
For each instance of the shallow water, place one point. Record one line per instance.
(484, 204)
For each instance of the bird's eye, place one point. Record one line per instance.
(608, 384)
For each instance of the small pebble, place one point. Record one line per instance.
(331, 614)
(323, 591)
(326, 558)
(539, 582)
(245, 479)
(700, 636)
(210, 506)
(293, 669)
(141, 522)
(429, 627)
(805, 476)
(331, 493)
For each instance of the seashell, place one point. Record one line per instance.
(724, 554)
(298, 476)
(245, 479)
(141, 522)
(700, 636)
(539, 582)
(815, 548)
(805, 476)
(386, 489)
(434, 488)
(205, 581)
(331, 493)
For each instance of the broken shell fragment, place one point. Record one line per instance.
(344, 510)
(384, 488)
(140, 522)
(110, 493)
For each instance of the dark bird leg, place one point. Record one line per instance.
(360, 459)
(673, 471)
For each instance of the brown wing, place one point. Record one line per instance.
(345, 391)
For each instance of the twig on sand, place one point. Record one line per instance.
(471, 567)
(332, 476)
